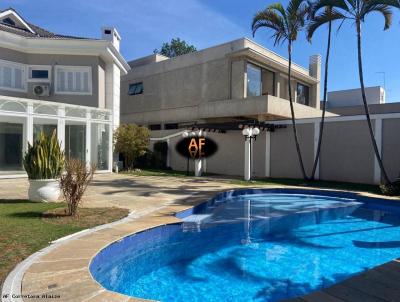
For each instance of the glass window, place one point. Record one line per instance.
(46, 129)
(170, 126)
(268, 82)
(73, 80)
(75, 142)
(40, 74)
(302, 94)
(100, 139)
(253, 80)
(11, 146)
(155, 127)
(12, 76)
(135, 88)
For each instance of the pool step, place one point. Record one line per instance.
(193, 222)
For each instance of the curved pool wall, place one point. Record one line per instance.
(182, 250)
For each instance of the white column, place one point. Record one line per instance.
(316, 137)
(267, 154)
(378, 138)
(29, 124)
(247, 160)
(110, 149)
(88, 138)
(61, 127)
(168, 153)
(278, 84)
(197, 167)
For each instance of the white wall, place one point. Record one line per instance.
(352, 97)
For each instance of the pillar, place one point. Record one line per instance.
(247, 159)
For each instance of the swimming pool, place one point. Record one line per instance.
(254, 245)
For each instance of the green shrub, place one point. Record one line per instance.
(392, 189)
(44, 159)
(131, 141)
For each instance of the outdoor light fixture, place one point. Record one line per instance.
(249, 134)
(197, 162)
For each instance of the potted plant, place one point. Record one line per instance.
(44, 162)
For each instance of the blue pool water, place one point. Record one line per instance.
(253, 246)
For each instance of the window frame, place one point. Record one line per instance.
(74, 69)
(254, 66)
(14, 65)
(137, 84)
(307, 102)
(39, 67)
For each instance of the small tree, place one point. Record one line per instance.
(74, 182)
(131, 141)
(177, 47)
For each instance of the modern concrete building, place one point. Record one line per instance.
(235, 81)
(353, 97)
(57, 82)
(222, 89)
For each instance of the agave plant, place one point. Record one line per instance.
(44, 158)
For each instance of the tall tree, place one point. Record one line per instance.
(285, 25)
(318, 19)
(176, 47)
(356, 11)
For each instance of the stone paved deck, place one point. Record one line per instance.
(64, 270)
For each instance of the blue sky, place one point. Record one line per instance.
(145, 24)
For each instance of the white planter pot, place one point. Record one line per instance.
(44, 190)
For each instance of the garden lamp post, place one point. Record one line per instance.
(197, 161)
(249, 134)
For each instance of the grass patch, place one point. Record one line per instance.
(269, 181)
(26, 227)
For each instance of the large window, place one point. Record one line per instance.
(73, 80)
(100, 138)
(135, 88)
(11, 135)
(75, 142)
(259, 81)
(46, 129)
(303, 94)
(253, 80)
(12, 76)
(268, 82)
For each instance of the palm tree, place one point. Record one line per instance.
(285, 24)
(327, 16)
(357, 11)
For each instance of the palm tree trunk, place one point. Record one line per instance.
(371, 132)
(292, 112)
(321, 127)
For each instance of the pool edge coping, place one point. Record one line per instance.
(15, 278)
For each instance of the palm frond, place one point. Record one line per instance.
(270, 19)
(383, 9)
(339, 4)
(327, 16)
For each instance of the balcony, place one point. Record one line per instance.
(266, 107)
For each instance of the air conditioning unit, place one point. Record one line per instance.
(41, 89)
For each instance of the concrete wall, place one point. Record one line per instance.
(391, 147)
(96, 99)
(346, 154)
(284, 160)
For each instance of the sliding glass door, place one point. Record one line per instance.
(75, 142)
(11, 145)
